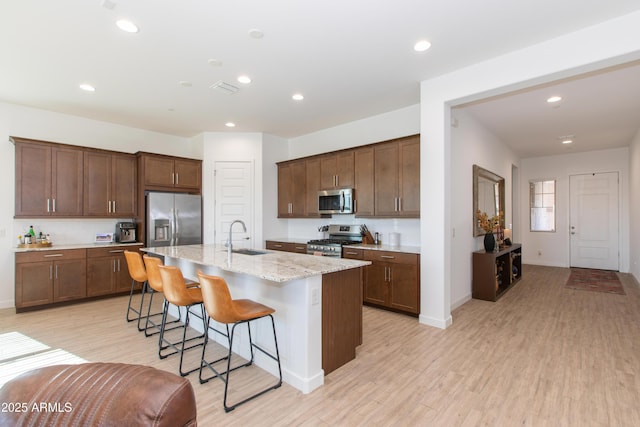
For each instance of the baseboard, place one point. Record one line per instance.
(460, 302)
(7, 304)
(437, 323)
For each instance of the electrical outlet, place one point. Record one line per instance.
(315, 296)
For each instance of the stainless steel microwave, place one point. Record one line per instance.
(338, 201)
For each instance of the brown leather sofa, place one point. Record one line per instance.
(98, 394)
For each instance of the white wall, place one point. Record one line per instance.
(634, 207)
(395, 124)
(48, 126)
(611, 42)
(274, 150)
(231, 147)
(552, 249)
(471, 144)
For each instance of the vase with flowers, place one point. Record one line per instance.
(489, 225)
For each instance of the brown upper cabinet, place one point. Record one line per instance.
(292, 189)
(49, 179)
(312, 186)
(336, 170)
(397, 178)
(385, 176)
(110, 184)
(169, 173)
(364, 181)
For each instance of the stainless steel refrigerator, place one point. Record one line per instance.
(173, 219)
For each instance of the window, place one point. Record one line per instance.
(542, 202)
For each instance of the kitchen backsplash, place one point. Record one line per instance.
(67, 231)
(307, 229)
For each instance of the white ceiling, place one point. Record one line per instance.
(599, 110)
(351, 59)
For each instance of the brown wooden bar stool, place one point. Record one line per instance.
(138, 274)
(176, 292)
(223, 309)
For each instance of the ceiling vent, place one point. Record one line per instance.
(224, 87)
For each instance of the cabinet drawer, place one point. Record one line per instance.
(38, 256)
(299, 248)
(389, 256)
(109, 251)
(353, 253)
(279, 246)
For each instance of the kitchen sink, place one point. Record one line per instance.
(244, 251)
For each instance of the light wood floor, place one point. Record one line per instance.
(542, 355)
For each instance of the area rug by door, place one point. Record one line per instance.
(595, 280)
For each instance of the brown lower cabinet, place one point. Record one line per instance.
(48, 277)
(57, 276)
(274, 245)
(392, 281)
(107, 271)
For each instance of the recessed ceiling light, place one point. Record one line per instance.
(297, 97)
(215, 62)
(87, 87)
(244, 79)
(230, 124)
(255, 33)
(421, 46)
(566, 139)
(553, 99)
(127, 26)
(184, 83)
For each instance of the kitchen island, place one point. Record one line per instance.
(318, 303)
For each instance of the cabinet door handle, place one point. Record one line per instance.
(351, 253)
(355, 205)
(114, 265)
(177, 178)
(114, 206)
(109, 206)
(395, 204)
(53, 255)
(399, 204)
(54, 205)
(387, 257)
(51, 272)
(277, 246)
(116, 251)
(118, 265)
(48, 205)
(56, 271)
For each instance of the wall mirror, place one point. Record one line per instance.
(488, 195)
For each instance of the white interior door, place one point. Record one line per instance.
(593, 219)
(234, 200)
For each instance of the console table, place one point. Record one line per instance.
(494, 273)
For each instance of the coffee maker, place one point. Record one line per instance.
(125, 232)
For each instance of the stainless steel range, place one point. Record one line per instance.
(339, 236)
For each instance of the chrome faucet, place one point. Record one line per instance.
(229, 243)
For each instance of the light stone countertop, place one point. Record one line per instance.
(276, 266)
(62, 247)
(400, 248)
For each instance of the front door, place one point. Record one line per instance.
(593, 219)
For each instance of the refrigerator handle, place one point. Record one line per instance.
(173, 228)
(177, 227)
